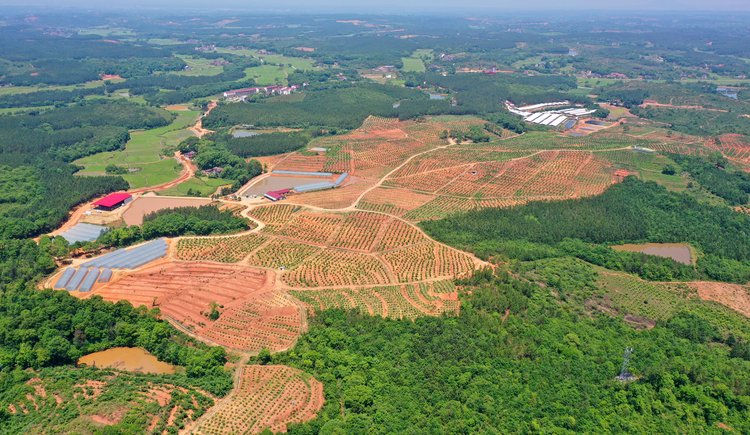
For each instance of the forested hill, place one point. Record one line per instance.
(37, 185)
(630, 212)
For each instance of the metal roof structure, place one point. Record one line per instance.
(320, 186)
(82, 233)
(131, 258)
(90, 280)
(105, 276)
(112, 199)
(65, 278)
(303, 173)
(77, 279)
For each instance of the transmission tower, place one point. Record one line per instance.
(624, 374)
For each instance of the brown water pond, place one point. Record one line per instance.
(148, 204)
(132, 359)
(278, 183)
(676, 251)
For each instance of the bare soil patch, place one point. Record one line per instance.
(734, 296)
(110, 76)
(253, 315)
(177, 107)
(148, 204)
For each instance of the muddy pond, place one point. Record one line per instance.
(676, 251)
(132, 359)
(147, 204)
(278, 183)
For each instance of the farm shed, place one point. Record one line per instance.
(112, 201)
(275, 195)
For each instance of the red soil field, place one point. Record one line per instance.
(253, 314)
(733, 146)
(269, 397)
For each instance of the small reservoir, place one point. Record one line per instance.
(131, 359)
(244, 133)
(676, 251)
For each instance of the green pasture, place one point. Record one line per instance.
(295, 62)
(143, 151)
(412, 64)
(200, 67)
(206, 186)
(268, 74)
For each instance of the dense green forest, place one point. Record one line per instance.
(177, 221)
(630, 212)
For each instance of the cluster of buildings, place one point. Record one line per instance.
(591, 75)
(276, 195)
(206, 48)
(553, 118)
(242, 94)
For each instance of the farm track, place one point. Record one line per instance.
(223, 402)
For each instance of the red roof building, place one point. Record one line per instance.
(112, 201)
(275, 195)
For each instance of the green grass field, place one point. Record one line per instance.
(200, 67)
(412, 64)
(268, 74)
(144, 151)
(206, 186)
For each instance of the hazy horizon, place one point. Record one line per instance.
(393, 6)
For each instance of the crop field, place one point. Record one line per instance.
(399, 234)
(665, 136)
(334, 268)
(440, 207)
(282, 253)
(339, 197)
(428, 181)
(275, 214)
(642, 298)
(299, 162)
(393, 201)
(252, 314)
(734, 146)
(405, 301)
(269, 397)
(221, 249)
(360, 230)
(426, 261)
(312, 228)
